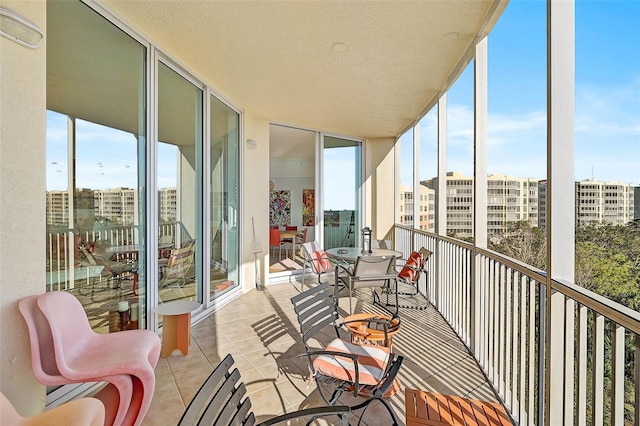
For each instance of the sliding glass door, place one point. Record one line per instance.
(180, 130)
(96, 165)
(224, 197)
(341, 191)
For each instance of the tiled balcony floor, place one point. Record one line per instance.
(260, 330)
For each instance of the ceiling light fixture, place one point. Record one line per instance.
(19, 29)
(339, 47)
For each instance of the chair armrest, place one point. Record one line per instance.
(409, 266)
(340, 411)
(345, 266)
(374, 277)
(390, 375)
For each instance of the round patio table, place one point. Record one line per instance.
(350, 254)
(361, 333)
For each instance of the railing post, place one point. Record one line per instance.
(636, 361)
(474, 308)
(542, 356)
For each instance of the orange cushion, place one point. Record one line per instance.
(320, 261)
(410, 270)
(372, 362)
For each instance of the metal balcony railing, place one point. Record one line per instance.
(584, 369)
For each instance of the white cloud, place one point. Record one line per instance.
(607, 137)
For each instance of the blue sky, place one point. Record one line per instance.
(607, 101)
(607, 121)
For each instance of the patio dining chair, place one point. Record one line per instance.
(375, 272)
(222, 400)
(409, 276)
(301, 238)
(383, 244)
(174, 270)
(316, 259)
(114, 270)
(336, 364)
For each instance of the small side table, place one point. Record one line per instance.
(430, 408)
(176, 332)
(360, 333)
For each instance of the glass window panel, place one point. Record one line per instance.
(607, 155)
(460, 150)
(404, 162)
(517, 123)
(292, 195)
(180, 148)
(224, 197)
(95, 164)
(428, 169)
(341, 192)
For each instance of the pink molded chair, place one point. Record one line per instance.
(84, 411)
(82, 354)
(45, 370)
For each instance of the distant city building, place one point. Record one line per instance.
(542, 204)
(509, 199)
(636, 203)
(167, 201)
(604, 202)
(404, 213)
(58, 208)
(118, 205)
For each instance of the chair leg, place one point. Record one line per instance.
(386, 405)
(304, 269)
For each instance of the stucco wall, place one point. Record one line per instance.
(255, 173)
(22, 204)
(379, 185)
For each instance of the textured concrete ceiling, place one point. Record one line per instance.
(360, 68)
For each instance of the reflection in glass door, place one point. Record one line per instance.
(96, 133)
(180, 106)
(223, 146)
(341, 190)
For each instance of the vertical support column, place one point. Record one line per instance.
(560, 200)
(416, 182)
(149, 321)
(480, 176)
(71, 197)
(636, 361)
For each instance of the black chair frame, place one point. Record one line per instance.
(222, 401)
(316, 310)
